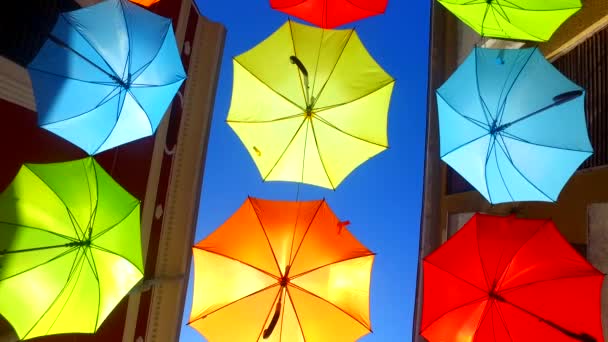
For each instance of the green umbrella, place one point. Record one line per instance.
(70, 248)
(514, 19)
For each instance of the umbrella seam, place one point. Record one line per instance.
(54, 192)
(485, 170)
(380, 87)
(541, 226)
(69, 250)
(136, 204)
(103, 101)
(103, 249)
(503, 321)
(40, 229)
(455, 276)
(74, 264)
(295, 255)
(144, 67)
(239, 261)
(350, 35)
(293, 306)
(314, 135)
(518, 287)
(285, 150)
(476, 122)
(268, 86)
(90, 44)
(268, 121)
(299, 288)
(463, 145)
(152, 129)
(202, 315)
(363, 8)
(504, 104)
(526, 178)
(276, 297)
(508, 192)
(330, 264)
(102, 83)
(295, 53)
(460, 306)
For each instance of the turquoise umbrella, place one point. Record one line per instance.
(106, 75)
(512, 125)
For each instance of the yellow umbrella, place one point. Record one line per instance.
(310, 104)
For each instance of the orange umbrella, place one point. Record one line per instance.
(281, 271)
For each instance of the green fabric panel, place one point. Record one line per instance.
(27, 297)
(113, 202)
(123, 239)
(79, 193)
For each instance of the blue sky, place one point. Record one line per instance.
(381, 198)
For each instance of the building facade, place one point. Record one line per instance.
(579, 49)
(164, 171)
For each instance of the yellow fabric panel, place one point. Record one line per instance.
(220, 281)
(266, 143)
(269, 62)
(345, 284)
(301, 161)
(242, 237)
(335, 145)
(319, 50)
(356, 74)
(268, 104)
(322, 321)
(285, 223)
(325, 244)
(241, 321)
(364, 118)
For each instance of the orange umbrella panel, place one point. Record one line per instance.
(281, 271)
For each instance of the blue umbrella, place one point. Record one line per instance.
(106, 75)
(512, 125)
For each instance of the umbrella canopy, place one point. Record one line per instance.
(281, 271)
(310, 105)
(510, 279)
(512, 125)
(70, 248)
(332, 13)
(534, 20)
(106, 75)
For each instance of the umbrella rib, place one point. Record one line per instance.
(474, 121)
(484, 106)
(74, 265)
(511, 136)
(293, 306)
(460, 306)
(455, 276)
(314, 216)
(144, 67)
(103, 101)
(314, 135)
(104, 83)
(330, 303)
(103, 249)
(142, 109)
(233, 302)
(540, 227)
(514, 288)
(486, 310)
(269, 121)
(276, 261)
(508, 192)
(581, 337)
(463, 145)
(40, 229)
(54, 192)
(144, 85)
(350, 34)
(293, 44)
(514, 6)
(485, 169)
(503, 321)
(538, 111)
(43, 263)
(329, 264)
(314, 79)
(504, 104)
(285, 150)
(282, 317)
(91, 210)
(524, 177)
(239, 261)
(323, 120)
(116, 224)
(268, 86)
(483, 19)
(66, 302)
(272, 306)
(90, 45)
(127, 66)
(371, 92)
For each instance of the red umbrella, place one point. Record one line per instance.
(510, 279)
(330, 13)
